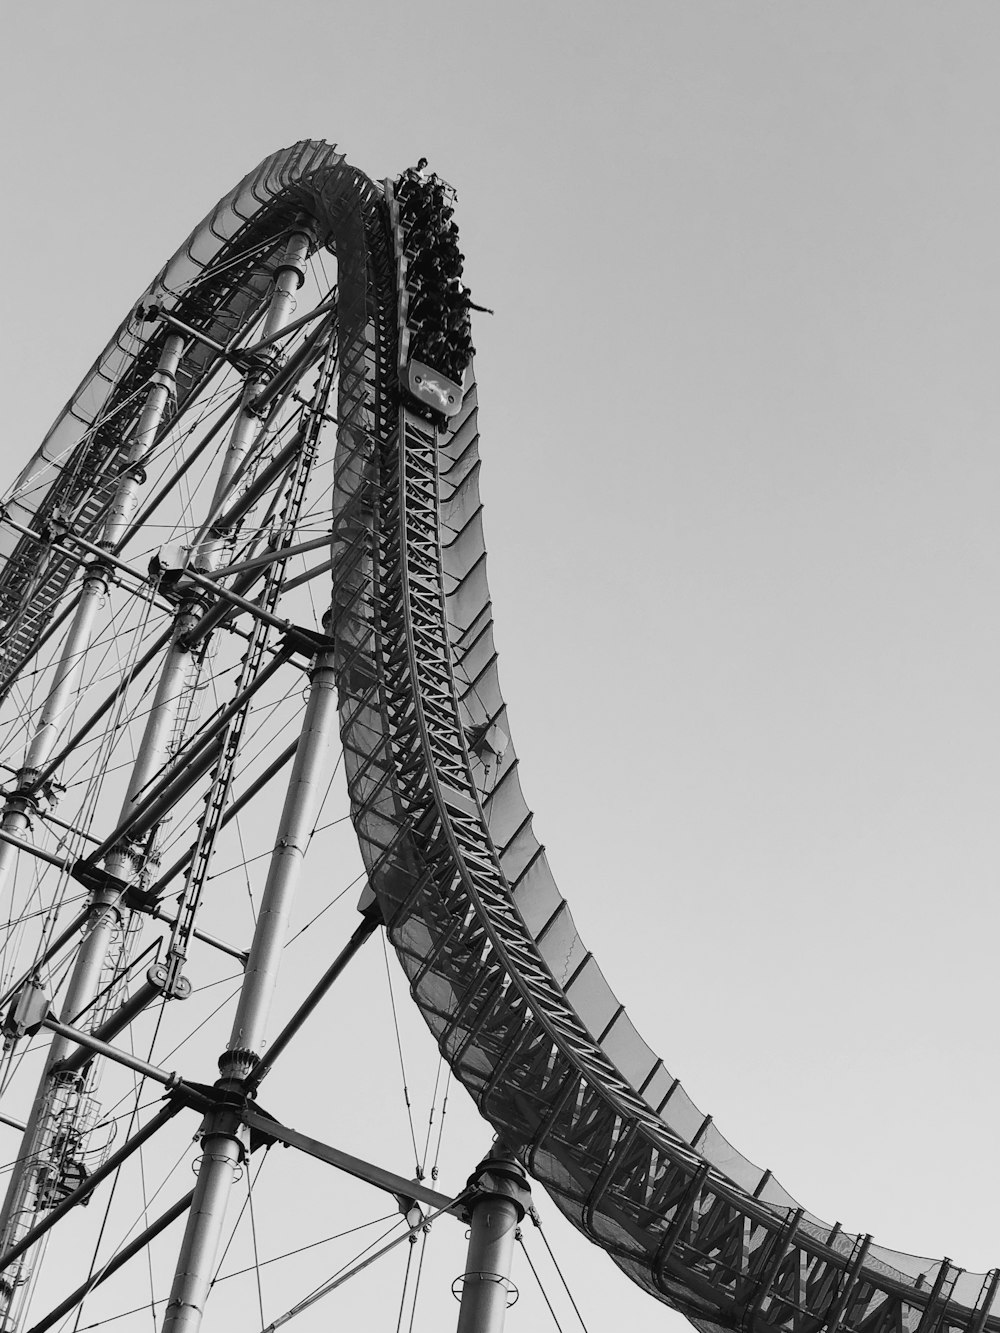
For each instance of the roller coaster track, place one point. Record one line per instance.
(514, 1000)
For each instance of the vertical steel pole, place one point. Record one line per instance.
(162, 389)
(224, 1137)
(289, 276)
(21, 803)
(154, 750)
(500, 1198)
(125, 862)
(51, 720)
(103, 917)
(20, 1208)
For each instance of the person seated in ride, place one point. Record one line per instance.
(466, 298)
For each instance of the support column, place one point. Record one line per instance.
(224, 1137)
(154, 750)
(16, 817)
(20, 1209)
(103, 918)
(500, 1199)
(24, 801)
(126, 860)
(290, 275)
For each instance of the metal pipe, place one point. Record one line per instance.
(83, 985)
(289, 277)
(241, 603)
(112, 1025)
(163, 386)
(186, 768)
(486, 1289)
(500, 1199)
(19, 807)
(51, 719)
(222, 1153)
(21, 844)
(217, 613)
(158, 735)
(367, 927)
(65, 683)
(270, 473)
(76, 1036)
(182, 862)
(85, 544)
(847, 1287)
(113, 1265)
(123, 861)
(204, 443)
(220, 519)
(412, 1191)
(290, 327)
(152, 808)
(213, 940)
(154, 748)
(294, 368)
(85, 728)
(84, 1190)
(49, 818)
(302, 801)
(225, 1136)
(51, 629)
(408, 1235)
(173, 322)
(275, 553)
(103, 911)
(308, 574)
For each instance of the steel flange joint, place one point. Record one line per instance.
(499, 1175)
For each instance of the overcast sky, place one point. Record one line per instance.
(740, 416)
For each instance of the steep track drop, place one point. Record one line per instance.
(515, 1001)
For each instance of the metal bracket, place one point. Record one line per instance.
(398, 1186)
(308, 641)
(95, 878)
(28, 1010)
(500, 1175)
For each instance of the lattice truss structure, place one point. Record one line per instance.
(515, 1001)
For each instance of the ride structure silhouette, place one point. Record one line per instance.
(255, 432)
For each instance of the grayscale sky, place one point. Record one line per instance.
(740, 415)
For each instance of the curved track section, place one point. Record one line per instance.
(514, 999)
(216, 283)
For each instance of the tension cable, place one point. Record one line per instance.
(402, 1064)
(545, 1241)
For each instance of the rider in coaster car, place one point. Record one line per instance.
(440, 304)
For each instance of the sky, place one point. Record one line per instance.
(739, 416)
